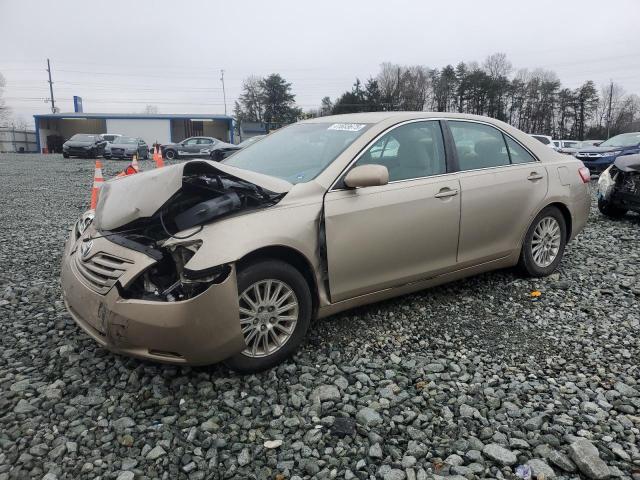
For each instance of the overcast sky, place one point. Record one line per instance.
(122, 55)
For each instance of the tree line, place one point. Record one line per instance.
(534, 101)
(267, 100)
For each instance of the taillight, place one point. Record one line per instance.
(585, 174)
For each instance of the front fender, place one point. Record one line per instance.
(228, 240)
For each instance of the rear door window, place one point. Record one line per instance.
(517, 152)
(478, 145)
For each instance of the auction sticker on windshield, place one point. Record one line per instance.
(347, 127)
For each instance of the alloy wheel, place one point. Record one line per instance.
(269, 313)
(546, 240)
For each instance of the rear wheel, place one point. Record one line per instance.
(275, 312)
(544, 243)
(610, 210)
(170, 154)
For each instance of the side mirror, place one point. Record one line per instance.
(367, 176)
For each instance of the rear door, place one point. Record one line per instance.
(386, 236)
(502, 186)
(205, 145)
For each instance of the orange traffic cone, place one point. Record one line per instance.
(130, 170)
(134, 162)
(97, 183)
(157, 156)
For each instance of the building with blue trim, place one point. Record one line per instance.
(163, 128)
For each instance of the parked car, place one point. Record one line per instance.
(597, 159)
(544, 139)
(110, 137)
(572, 150)
(228, 149)
(619, 187)
(231, 260)
(559, 144)
(125, 147)
(85, 145)
(201, 147)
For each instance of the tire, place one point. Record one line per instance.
(91, 154)
(278, 271)
(534, 264)
(65, 155)
(610, 210)
(170, 154)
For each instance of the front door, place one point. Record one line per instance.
(189, 147)
(405, 231)
(502, 187)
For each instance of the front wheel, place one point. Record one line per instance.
(170, 154)
(65, 155)
(610, 210)
(544, 243)
(275, 312)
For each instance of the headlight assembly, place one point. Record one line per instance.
(84, 221)
(606, 182)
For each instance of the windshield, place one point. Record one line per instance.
(128, 140)
(300, 152)
(624, 140)
(83, 137)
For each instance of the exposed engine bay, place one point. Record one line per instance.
(205, 195)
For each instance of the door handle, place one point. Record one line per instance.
(533, 176)
(446, 192)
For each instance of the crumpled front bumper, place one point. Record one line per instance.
(202, 330)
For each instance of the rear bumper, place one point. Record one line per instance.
(579, 208)
(202, 330)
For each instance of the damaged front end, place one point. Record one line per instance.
(620, 183)
(202, 193)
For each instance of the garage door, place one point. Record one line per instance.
(150, 130)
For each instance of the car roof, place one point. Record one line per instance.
(377, 117)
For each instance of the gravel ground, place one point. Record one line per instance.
(473, 379)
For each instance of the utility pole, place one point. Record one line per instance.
(224, 94)
(609, 110)
(53, 102)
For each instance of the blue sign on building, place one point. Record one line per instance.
(77, 104)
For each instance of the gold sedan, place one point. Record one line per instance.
(203, 262)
